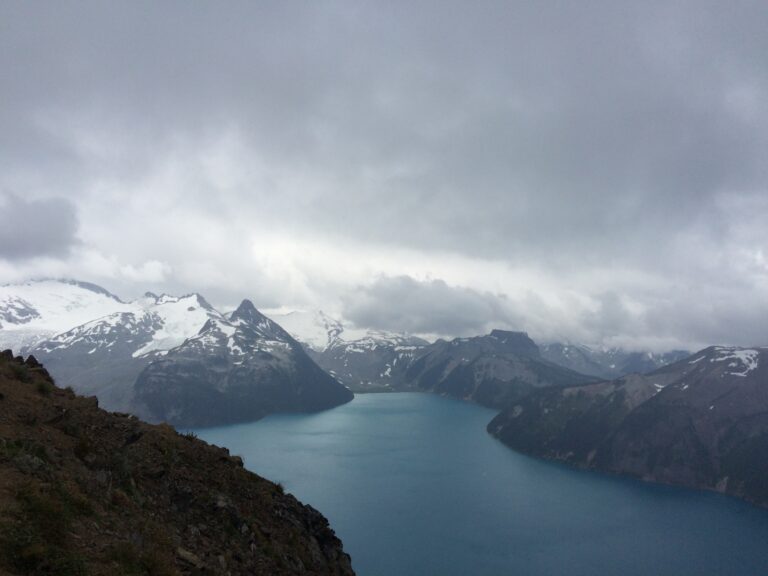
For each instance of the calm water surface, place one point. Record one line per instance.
(414, 486)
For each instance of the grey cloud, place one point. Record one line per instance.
(567, 136)
(36, 228)
(611, 318)
(688, 319)
(425, 307)
(517, 130)
(738, 318)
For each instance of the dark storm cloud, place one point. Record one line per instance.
(36, 228)
(569, 136)
(431, 307)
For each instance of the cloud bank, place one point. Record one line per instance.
(594, 172)
(36, 228)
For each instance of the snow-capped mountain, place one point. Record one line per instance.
(364, 360)
(316, 330)
(106, 355)
(36, 310)
(98, 344)
(319, 331)
(235, 369)
(152, 324)
(375, 362)
(50, 315)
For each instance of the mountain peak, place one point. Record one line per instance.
(246, 311)
(509, 335)
(519, 342)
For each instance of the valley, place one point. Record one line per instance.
(695, 420)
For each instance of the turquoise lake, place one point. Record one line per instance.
(414, 486)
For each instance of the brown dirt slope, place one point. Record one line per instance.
(84, 491)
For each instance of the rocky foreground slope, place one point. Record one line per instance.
(84, 491)
(700, 422)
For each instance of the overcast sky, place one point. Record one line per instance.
(592, 171)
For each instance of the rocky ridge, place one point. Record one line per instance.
(377, 361)
(492, 370)
(700, 422)
(235, 367)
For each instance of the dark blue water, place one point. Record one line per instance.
(413, 485)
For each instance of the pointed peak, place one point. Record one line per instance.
(246, 311)
(202, 301)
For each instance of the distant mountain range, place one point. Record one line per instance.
(493, 370)
(608, 363)
(236, 368)
(165, 356)
(701, 422)
(697, 420)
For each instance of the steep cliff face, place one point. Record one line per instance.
(700, 422)
(84, 491)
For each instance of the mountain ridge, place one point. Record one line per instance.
(108, 354)
(700, 422)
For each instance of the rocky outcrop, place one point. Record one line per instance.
(701, 422)
(84, 491)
